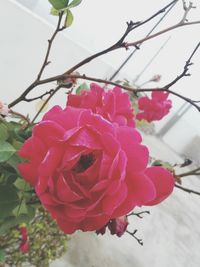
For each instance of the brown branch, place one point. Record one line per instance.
(138, 214)
(50, 42)
(187, 190)
(192, 172)
(136, 238)
(45, 102)
(181, 23)
(120, 44)
(37, 82)
(39, 97)
(133, 90)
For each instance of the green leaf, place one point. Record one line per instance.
(2, 255)
(6, 151)
(3, 132)
(8, 200)
(54, 12)
(59, 4)
(74, 3)
(12, 221)
(69, 18)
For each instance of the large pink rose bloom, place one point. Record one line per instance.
(154, 108)
(87, 171)
(113, 105)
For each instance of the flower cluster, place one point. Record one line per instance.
(154, 108)
(87, 164)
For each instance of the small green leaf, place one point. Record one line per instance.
(22, 185)
(54, 12)
(8, 200)
(69, 18)
(6, 151)
(74, 3)
(59, 4)
(81, 87)
(3, 132)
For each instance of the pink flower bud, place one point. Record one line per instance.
(118, 226)
(24, 245)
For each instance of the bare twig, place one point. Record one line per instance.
(40, 96)
(50, 41)
(45, 102)
(119, 44)
(185, 69)
(136, 238)
(37, 82)
(135, 90)
(187, 190)
(192, 172)
(138, 214)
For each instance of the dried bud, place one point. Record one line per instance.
(118, 226)
(156, 78)
(68, 82)
(4, 110)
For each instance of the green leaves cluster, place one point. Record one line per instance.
(64, 6)
(15, 193)
(45, 243)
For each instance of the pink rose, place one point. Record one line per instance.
(113, 105)
(154, 108)
(87, 170)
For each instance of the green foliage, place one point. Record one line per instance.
(59, 4)
(69, 18)
(15, 193)
(74, 3)
(6, 151)
(8, 200)
(46, 243)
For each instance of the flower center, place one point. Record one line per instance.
(84, 162)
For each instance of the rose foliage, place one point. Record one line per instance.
(87, 164)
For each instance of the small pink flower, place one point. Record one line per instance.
(24, 245)
(154, 108)
(113, 105)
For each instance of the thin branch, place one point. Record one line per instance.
(37, 82)
(120, 44)
(136, 238)
(138, 214)
(134, 90)
(192, 172)
(50, 42)
(45, 102)
(181, 23)
(187, 190)
(117, 45)
(185, 69)
(39, 97)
